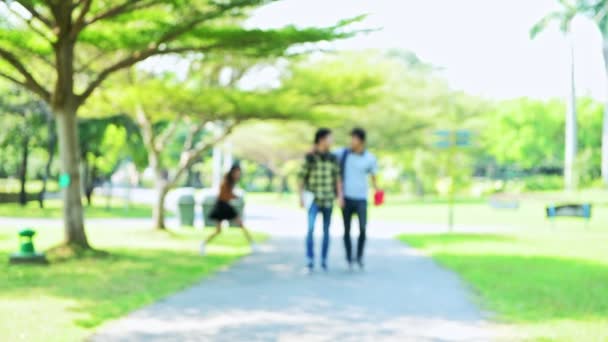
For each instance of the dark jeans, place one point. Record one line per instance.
(352, 207)
(310, 244)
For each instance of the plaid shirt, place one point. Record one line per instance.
(319, 174)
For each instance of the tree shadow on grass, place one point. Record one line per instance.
(535, 288)
(112, 286)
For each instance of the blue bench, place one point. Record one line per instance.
(569, 210)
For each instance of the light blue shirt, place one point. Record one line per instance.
(357, 170)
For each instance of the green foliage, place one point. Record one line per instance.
(106, 141)
(542, 183)
(24, 120)
(526, 132)
(114, 35)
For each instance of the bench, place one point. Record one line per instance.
(569, 210)
(504, 202)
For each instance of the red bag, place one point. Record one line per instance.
(379, 198)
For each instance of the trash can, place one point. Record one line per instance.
(27, 253)
(209, 203)
(186, 210)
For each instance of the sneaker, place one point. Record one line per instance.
(201, 250)
(361, 265)
(324, 266)
(310, 266)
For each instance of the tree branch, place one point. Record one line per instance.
(188, 157)
(30, 82)
(132, 59)
(127, 6)
(162, 139)
(29, 23)
(189, 143)
(79, 24)
(29, 6)
(154, 48)
(12, 79)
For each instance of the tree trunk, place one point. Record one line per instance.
(25, 150)
(109, 195)
(90, 187)
(47, 169)
(159, 206)
(84, 174)
(154, 159)
(270, 174)
(605, 122)
(67, 132)
(571, 143)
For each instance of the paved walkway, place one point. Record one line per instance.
(401, 296)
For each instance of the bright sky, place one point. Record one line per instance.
(483, 45)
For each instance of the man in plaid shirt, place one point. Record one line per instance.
(319, 178)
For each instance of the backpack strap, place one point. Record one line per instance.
(345, 154)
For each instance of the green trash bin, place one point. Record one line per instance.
(27, 253)
(185, 204)
(209, 203)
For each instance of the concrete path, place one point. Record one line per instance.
(401, 296)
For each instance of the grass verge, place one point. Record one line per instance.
(549, 287)
(67, 300)
(54, 209)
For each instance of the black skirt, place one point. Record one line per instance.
(223, 211)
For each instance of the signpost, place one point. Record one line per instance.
(452, 140)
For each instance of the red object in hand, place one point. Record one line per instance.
(379, 198)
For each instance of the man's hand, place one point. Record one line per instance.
(341, 202)
(302, 204)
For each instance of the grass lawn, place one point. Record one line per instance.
(53, 209)
(550, 286)
(32, 186)
(531, 214)
(67, 300)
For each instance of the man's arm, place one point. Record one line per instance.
(373, 174)
(301, 180)
(374, 179)
(301, 193)
(339, 184)
(340, 192)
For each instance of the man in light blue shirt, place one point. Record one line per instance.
(357, 166)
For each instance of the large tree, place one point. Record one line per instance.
(564, 17)
(63, 50)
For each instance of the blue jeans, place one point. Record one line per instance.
(312, 217)
(352, 207)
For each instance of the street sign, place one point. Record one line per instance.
(453, 138)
